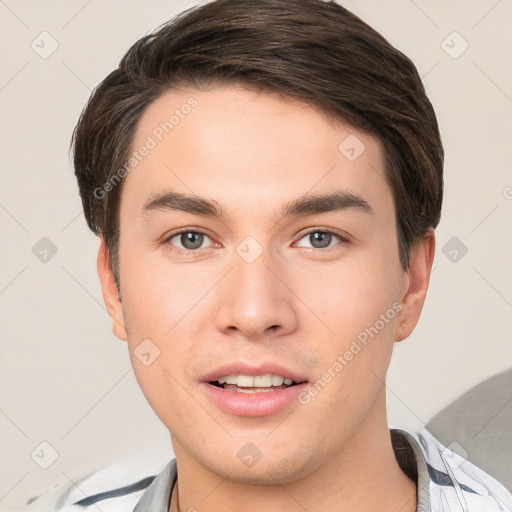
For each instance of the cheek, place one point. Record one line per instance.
(163, 388)
(358, 307)
(351, 297)
(355, 341)
(164, 313)
(156, 293)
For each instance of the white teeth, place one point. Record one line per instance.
(256, 381)
(262, 381)
(244, 381)
(276, 380)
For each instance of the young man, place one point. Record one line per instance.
(265, 177)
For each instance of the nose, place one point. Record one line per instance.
(256, 300)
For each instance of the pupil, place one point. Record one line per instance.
(195, 239)
(324, 238)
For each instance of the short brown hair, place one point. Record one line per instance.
(311, 50)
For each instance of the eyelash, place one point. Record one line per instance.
(172, 248)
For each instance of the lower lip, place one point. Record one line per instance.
(254, 404)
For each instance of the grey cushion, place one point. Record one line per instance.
(478, 425)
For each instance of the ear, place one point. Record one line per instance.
(110, 292)
(415, 285)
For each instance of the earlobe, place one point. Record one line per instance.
(110, 292)
(416, 284)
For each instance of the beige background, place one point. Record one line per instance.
(65, 379)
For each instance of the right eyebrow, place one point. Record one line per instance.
(181, 202)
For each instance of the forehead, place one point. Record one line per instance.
(247, 150)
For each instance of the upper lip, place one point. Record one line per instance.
(243, 368)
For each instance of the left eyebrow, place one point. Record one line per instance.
(303, 206)
(334, 201)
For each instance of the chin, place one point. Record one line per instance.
(272, 467)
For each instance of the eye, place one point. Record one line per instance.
(322, 238)
(190, 240)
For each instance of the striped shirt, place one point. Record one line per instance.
(445, 482)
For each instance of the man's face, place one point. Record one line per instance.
(255, 286)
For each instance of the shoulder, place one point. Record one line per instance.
(112, 488)
(454, 482)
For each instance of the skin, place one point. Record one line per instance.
(251, 153)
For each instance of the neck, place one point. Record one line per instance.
(363, 475)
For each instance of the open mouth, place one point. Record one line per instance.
(254, 395)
